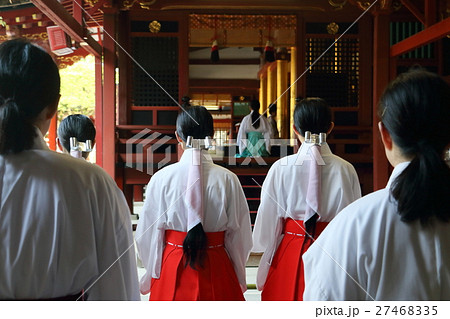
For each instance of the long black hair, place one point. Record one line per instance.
(415, 110)
(29, 82)
(76, 125)
(254, 105)
(197, 122)
(312, 114)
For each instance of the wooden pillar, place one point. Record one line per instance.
(430, 12)
(263, 93)
(109, 94)
(52, 132)
(271, 83)
(293, 91)
(282, 107)
(125, 67)
(381, 72)
(99, 111)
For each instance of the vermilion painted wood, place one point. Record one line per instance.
(430, 34)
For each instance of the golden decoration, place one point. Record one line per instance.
(154, 26)
(337, 5)
(2, 22)
(43, 36)
(127, 4)
(64, 62)
(396, 5)
(241, 98)
(91, 2)
(333, 28)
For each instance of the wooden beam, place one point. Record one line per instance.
(430, 12)
(77, 6)
(227, 61)
(414, 10)
(58, 14)
(94, 9)
(430, 34)
(194, 83)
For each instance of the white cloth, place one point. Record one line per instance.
(194, 190)
(246, 126)
(63, 223)
(283, 196)
(388, 258)
(225, 209)
(313, 192)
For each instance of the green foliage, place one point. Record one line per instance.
(78, 89)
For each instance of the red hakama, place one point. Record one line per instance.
(285, 279)
(216, 280)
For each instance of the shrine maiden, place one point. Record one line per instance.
(194, 234)
(290, 204)
(254, 133)
(81, 128)
(65, 229)
(393, 244)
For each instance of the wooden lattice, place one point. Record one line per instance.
(335, 75)
(402, 30)
(158, 56)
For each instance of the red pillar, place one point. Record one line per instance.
(109, 94)
(99, 111)
(380, 80)
(52, 133)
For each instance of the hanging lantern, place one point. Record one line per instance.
(60, 42)
(269, 54)
(215, 52)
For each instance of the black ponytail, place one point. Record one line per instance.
(16, 133)
(197, 122)
(194, 246)
(254, 105)
(415, 109)
(29, 82)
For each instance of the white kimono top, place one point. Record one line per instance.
(283, 196)
(225, 209)
(377, 256)
(246, 126)
(64, 225)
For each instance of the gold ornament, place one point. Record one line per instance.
(64, 62)
(337, 5)
(333, 28)
(154, 26)
(91, 2)
(43, 36)
(127, 4)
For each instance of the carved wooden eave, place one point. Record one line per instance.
(248, 5)
(58, 14)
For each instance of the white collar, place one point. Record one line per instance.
(397, 171)
(187, 156)
(324, 149)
